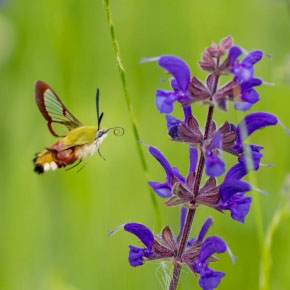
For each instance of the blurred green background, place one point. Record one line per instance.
(54, 228)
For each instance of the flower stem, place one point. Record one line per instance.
(130, 107)
(191, 212)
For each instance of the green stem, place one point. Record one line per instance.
(280, 215)
(130, 107)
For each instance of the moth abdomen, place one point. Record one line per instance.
(44, 161)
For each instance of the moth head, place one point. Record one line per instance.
(101, 133)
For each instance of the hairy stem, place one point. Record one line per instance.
(130, 106)
(191, 212)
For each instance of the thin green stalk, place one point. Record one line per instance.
(130, 107)
(280, 215)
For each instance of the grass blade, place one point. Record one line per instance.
(130, 106)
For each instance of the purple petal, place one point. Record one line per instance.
(242, 106)
(187, 112)
(216, 141)
(240, 209)
(214, 166)
(177, 174)
(172, 126)
(162, 160)
(204, 229)
(190, 242)
(253, 57)
(161, 189)
(178, 68)
(183, 213)
(210, 279)
(142, 232)
(253, 82)
(252, 162)
(171, 121)
(174, 85)
(193, 157)
(234, 53)
(238, 171)
(211, 246)
(243, 73)
(165, 100)
(250, 96)
(136, 256)
(255, 121)
(232, 186)
(241, 169)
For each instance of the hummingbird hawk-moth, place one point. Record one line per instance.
(77, 141)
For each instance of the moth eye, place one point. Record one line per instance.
(100, 134)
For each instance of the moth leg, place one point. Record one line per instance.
(83, 165)
(75, 165)
(101, 155)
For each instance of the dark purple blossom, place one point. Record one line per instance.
(232, 198)
(197, 255)
(214, 165)
(244, 70)
(180, 82)
(137, 255)
(173, 176)
(204, 251)
(244, 77)
(247, 127)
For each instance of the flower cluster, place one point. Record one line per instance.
(205, 156)
(198, 253)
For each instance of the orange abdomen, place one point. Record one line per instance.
(44, 161)
(51, 159)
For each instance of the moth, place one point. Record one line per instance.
(77, 141)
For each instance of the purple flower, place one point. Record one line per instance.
(173, 176)
(181, 73)
(254, 122)
(137, 255)
(214, 166)
(247, 127)
(244, 77)
(209, 279)
(197, 254)
(244, 70)
(204, 251)
(232, 198)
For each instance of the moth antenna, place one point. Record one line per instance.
(99, 117)
(100, 120)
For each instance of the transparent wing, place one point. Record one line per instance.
(59, 119)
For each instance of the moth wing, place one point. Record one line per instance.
(60, 120)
